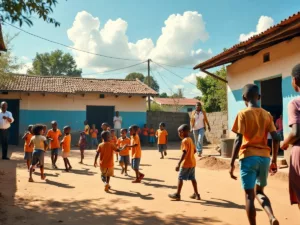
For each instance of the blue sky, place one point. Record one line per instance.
(218, 24)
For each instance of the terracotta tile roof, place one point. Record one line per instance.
(72, 85)
(239, 48)
(176, 101)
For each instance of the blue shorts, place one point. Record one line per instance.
(95, 141)
(54, 151)
(38, 157)
(28, 156)
(162, 148)
(151, 139)
(135, 163)
(124, 159)
(187, 174)
(254, 170)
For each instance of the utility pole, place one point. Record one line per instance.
(149, 83)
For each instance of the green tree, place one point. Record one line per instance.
(20, 11)
(164, 95)
(214, 93)
(55, 63)
(153, 83)
(179, 94)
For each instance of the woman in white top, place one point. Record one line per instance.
(117, 124)
(198, 125)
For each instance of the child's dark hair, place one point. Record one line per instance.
(184, 127)
(37, 129)
(30, 127)
(53, 122)
(123, 129)
(134, 127)
(296, 72)
(250, 91)
(67, 128)
(162, 124)
(105, 135)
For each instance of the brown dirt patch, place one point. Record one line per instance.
(214, 163)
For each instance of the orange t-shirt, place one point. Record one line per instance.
(106, 150)
(145, 131)
(94, 133)
(120, 143)
(66, 143)
(54, 135)
(152, 132)
(114, 140)
(254, 124)
(187, 145)
(161, 136)
(27, 148)
(136, 152)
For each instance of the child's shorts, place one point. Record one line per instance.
(151, 139)
(187, 174)
(135, 163)
(94, 141)
(28, 156)
(162, 148)
(254, 170)
(107, 172)
(54, 151)
(65, 154)
(124, 159)
(38, 157)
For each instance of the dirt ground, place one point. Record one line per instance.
(78, 197)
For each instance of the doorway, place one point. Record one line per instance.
(14, 108)
(100, 114)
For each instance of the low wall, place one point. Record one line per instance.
(219, 127)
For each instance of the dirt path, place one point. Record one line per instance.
(78, 197)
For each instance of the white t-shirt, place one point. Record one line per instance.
(39, 142)
(4, 124)
(118, 122)
(269, 136)
(199, 123)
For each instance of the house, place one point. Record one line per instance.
(70, 101)
(265, 59)
(176, 104)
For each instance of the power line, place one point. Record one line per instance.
(116, 74)
(181, 67)
(67, 46)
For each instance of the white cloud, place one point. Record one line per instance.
(192, 77)
(174, 46)
(23, 69)
(178, 86)
(263, 24)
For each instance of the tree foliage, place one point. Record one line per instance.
(214, 93)
(179, 94)
(55, 63)
(20, 11)
(153, 83)
(164, 95)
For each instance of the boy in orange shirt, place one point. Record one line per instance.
(94, 134)
(162, 139)
(113, 140)
(53, 135)
(124, 155)
(27, 148)
(136, 153)
(151, 136)
(66, 147)
(106, 151)
(187, 163)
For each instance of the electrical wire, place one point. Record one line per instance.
(117, 74)
(70, 47)
(181, 67)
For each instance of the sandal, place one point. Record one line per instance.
(175, 196)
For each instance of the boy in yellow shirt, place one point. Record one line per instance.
(187, 163)
(162, 139)
(124, 155)
(66, 147)
(252, 126)
(27, 148)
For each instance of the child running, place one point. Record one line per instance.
(124, 155)
(136, 152)
(94, 135)
(53, 135)
(40, 145)
(162, 140)
(252, 126)
(151, 136)
(66, 147)
(82, 145)
(106, 151)
(294, 139)
(27, 148)
(113, 140)
(187, 163)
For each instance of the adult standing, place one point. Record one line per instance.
(6, 119)
(198, 125)
(117, 124)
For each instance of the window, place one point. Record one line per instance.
(266, 57)
(189, 109)
(4, 92)
(101, 96)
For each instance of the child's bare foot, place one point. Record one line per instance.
(80, 162)
(199, 155)
(67, 170)
(195, 196)
(161, 157)
(126, 174)
(165, 153)
(106, 188)
(142, 176)
(274, 221)
(70, 167)
(30, 180)
(43, 177)
(123, 170)
(136, 181)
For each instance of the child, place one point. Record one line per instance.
(145, 134)
(54, 135)
(252, 126)
(66, 147)
(27, 148)
(94, 134)
(40, 145)
(106, 151)
(294, 139)
(124, 155)
(151, 136)
(113, 140)
(82, 145)
(162, 139)
(187, 168)
(136, 152)
(105, 127)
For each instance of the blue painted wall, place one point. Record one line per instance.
(130, 118)
(235, 104)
